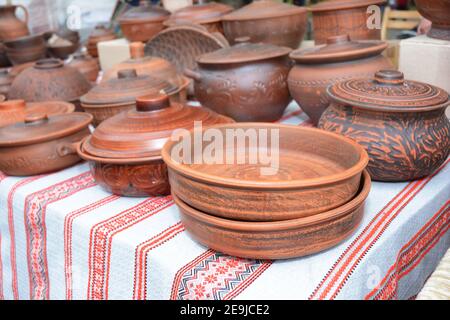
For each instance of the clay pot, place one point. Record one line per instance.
(12, 27)
(117, 95)
(124, 152)
(25, 49)
(5, 81)
(438, 12)
(63, 51)
(86, 65)
(99, 34)
(49, 80)
(280, 239)
(42, 144)
(143, 22)
(316, 172)
(14, 111)
(148, 66)
(267, 21)
(17, 69)
(247, 82)
(401, 123)
(208, 14)
(333, 18)
(340, 59)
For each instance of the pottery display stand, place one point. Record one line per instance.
(113, 52)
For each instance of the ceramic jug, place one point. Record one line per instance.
(12, 27)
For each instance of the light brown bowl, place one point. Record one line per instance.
(317, 172)
(276, 240)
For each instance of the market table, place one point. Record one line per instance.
(62, 237)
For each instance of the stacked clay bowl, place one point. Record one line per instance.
(26, 49)
(312, 201)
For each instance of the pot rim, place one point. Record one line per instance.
(330, 6)
(269, 185)
(295, 11)
(273, 226)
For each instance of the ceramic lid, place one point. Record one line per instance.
(389, 91)
(262, 9)
(202, 13)
(344, 4)
(337, 49)
(144, 13)
(141, 132)
(126, 88)
(99, 32)
(39, 128)
(244, 52)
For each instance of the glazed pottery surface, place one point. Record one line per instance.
(86, 65)
(280, 239)
(340, 59)
(49, 80)
(247, 82)
(12, 27)
(143, 22)
(125, 151)
(42, 144)
(99, 34)
(402, 124)
(332, 18)
(267, 21)
(316, 172)
(438, 12)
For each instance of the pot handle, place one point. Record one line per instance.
(67, 149)
(25, 11)
(192, 74)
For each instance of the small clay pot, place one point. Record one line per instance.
(86, 65)
(402, 124)
(438, 12)
(340, 59)
(12, 27)
(333, 18)
(280, 239)
(99, 34)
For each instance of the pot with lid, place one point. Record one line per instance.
(339, 59)
(124, 152)
(247, 82)
(401, 123)
(42, 144)
(99, 34)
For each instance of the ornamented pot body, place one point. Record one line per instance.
(437, 11)
(12, 27)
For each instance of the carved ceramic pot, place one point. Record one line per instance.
(247, 82)
(438, 12)
(12, 27)
(332, 18)
(340, 59)
(402, 124)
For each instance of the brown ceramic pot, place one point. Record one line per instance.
(143, 22)
(315, 172)
(280, 239)
(207, 14)
(438, 12)
(99, 34)
(25, 49)
(267, 21)
(247, 82)
(12, 27)
(86, 65)
(42, 144)
(333, 18)
(49, 80)
(340, 59)
(117, 95)
(14, 111)
(124, 151)
(5, 81)
(402, 124)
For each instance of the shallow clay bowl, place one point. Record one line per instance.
(316, 172)
(276, 240)
(63, 52)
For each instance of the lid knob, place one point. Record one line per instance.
(136, 50)
(152, 103)
(342, 38)
(13, 105)
(36, 118)
(49, 64)
(391, 77)
(127, 74)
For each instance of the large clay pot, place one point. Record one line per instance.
(332, 18)
(402, 124)
(12, 27)
(438, 12)
(340, 59)
(246, 82)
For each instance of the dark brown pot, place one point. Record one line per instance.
(86, 65)
(267, 21)
(333, 18)
(42, 145)
(12, 27)
(340, 59)
(247, 82)
(4, 61)
(402, 124)
(438, 12)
